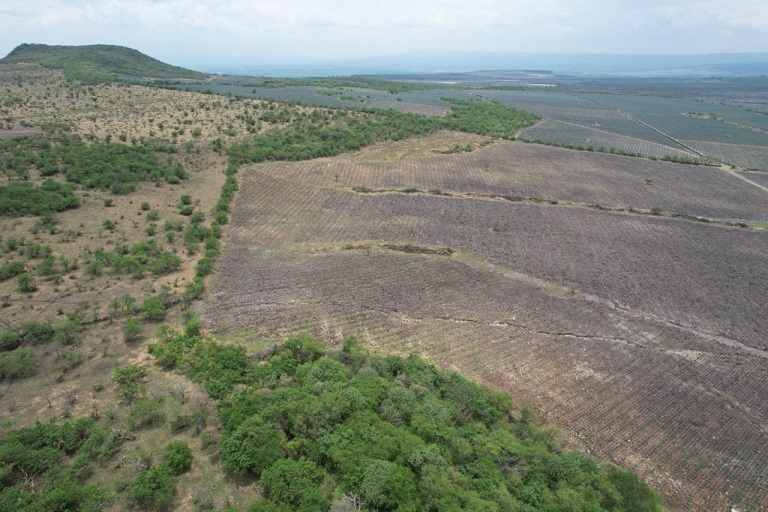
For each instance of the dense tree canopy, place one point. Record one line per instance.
(395, 434)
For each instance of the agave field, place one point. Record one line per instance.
(645, 125)
(760, 178)
(423, 102)
(619, 295)
(561, 133)
(740, 155)
(515, 171)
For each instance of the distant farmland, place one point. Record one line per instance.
(649, 126)
(426, 103)
(617, 294)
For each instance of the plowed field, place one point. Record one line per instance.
(643, 336)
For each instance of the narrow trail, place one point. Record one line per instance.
(743, 178)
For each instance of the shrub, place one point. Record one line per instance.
(25, 282)
(17, 363)
(252, 448)
(154, 309)
(132, 329)
(129, 381)
(67, 332)
(178, 457)
(11, 269)
(204, 267)
(152, 489)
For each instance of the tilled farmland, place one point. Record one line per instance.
(641, 335)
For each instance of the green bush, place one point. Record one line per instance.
(132, 329)
(152, 489)
(17, 363)
(177, 456)
(24, 198)
(252, 448)
(295, 483)
(67, 332)
(154, 309)
(25, 282)
(11, 269)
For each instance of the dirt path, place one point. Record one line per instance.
(15, 132)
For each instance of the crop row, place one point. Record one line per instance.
(410, 108)
(566, 134)
(517, 170)
(603, 253)
(672, 116)
(740, 155)
(619, 384)
(308, 254)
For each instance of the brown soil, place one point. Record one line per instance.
(639, 335)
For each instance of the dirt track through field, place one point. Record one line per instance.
(656, 365)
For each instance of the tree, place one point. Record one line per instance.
(132, 329)
(385, 485)
(295, 483)
(152, 489)
(154, 309)
(177, 456)
(25, 282)
(253, 447)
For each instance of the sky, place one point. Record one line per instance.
(190, 32)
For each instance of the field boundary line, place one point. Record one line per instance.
(540, 201)
(649, 126)
(744, 178)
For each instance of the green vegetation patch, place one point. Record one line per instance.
(319, 428)
(135, 260)
(46, 467)
(98, 63)
(319, 137)
(113, 167)
(24, 198)
(58, 459)
(487, 118)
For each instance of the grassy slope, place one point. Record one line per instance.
(97, 63)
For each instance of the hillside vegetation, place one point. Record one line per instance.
(98, 63)
(115, 216)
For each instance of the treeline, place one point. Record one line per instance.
(345, 132)
(318, 428)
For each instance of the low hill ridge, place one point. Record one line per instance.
(98, 63)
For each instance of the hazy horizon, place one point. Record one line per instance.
(194, 34)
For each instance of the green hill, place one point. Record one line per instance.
(98, 63)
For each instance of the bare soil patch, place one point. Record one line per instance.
(546, 173)
(608, 322)
(15, 132)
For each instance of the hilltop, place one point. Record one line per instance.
(98, 63)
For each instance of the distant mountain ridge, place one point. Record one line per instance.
(98, 63)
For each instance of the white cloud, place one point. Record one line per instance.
(185, 30)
